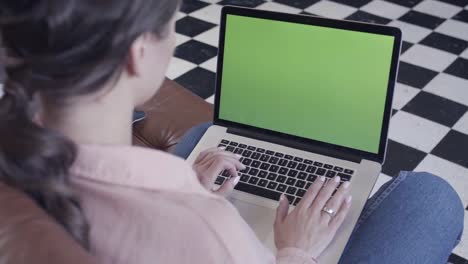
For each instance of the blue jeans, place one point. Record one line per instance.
(414, 218)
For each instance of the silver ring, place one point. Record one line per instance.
(329, 211)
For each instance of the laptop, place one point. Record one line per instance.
(301, 97)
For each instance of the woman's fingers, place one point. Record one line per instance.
(204, 153)
(340, 216)
(325, 194)
(311, 193)
(208, 157)
(223, 163)
(335, 202)
(228, 186)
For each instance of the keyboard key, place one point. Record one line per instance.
(221, 146)
(296, 201)
(311, 169)
(292, 164)
(298, 159)
(344, 177)
(247, 153)
(281, 179)
(273, 195)
(230, 148)
(301, 167)
(255, 164)
(272, 176)
(279, 155)
(242, 146)
(274, 168)
(320, 172)
(281, 187)
(246, 170)
(290, 198)
(220, 180)
(262, 174)
(253, 172)
(290, 181)
(238, 151)
(308, 185)
(348, 171)
(244, 178)
(283, 171)
(328, 166)
(260, 150)
(272, 185)
(292, 173)
(308, 162)
(232, 143)
(262, 183)
(265, 166)
(318, 164)
(251, 148)
(253, 180)
(273, 160)
(269, 152)
(300, 192)
(291, 190)
(226, 173)
(338, 169)
(330, 174)
(264, 157)
(311, 178)
(289, 157)
(224, 142)
(300, 184)
(302, 175)
(283, 162)
(256, 155)
(247, 162)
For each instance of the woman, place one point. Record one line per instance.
(85, 65)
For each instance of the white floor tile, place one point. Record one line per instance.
(462, 124)
(331, 9)
(403, 94)
(210, 64)
(464, 54)
(428, 57)
(211, 13)
(450, 87)
(437, 8)
(180, 15)
(462, 248)
(454, 28)
(210, 37)
(177, 67)
(383, 178)
(210, 99)
(385, 9)
(451, 172)
(1, 90)
(411, 33)
(416, 132)
(181, 39)
(271, 6)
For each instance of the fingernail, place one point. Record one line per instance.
(239, 156)
(236, 180)
(282, 197)
(348, 199)
(244, 167)
(222, 148)
(322, 178)
(337, 179)
(346, 185)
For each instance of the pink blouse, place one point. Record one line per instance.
(147, 206)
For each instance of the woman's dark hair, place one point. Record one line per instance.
(59, 49)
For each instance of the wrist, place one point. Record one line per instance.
(298, 253)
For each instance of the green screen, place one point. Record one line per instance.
(313, 82)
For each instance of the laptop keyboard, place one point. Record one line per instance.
(269, 173)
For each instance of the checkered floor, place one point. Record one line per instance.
(429, 129)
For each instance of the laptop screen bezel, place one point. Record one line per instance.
(315, 21)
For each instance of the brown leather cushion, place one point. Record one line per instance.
(170, 113)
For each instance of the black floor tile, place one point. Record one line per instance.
(199, 81)
(302, 4)
(405, 46)
(195, 51)
(456, 2)
(455, 259)
(436, 108)
(189, 6)
(401, 157)
(369, 18)
(453, 147)
(407, 3)
(244, 3)
(415, 76)
(444, 42)
(458, 68)
(422, 19)
(190, 26)
(354, 3)
(462, 16)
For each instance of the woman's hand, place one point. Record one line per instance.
(211, 162)
(308, 227)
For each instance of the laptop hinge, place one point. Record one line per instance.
(295, 144)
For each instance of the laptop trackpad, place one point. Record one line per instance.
(259, 218)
